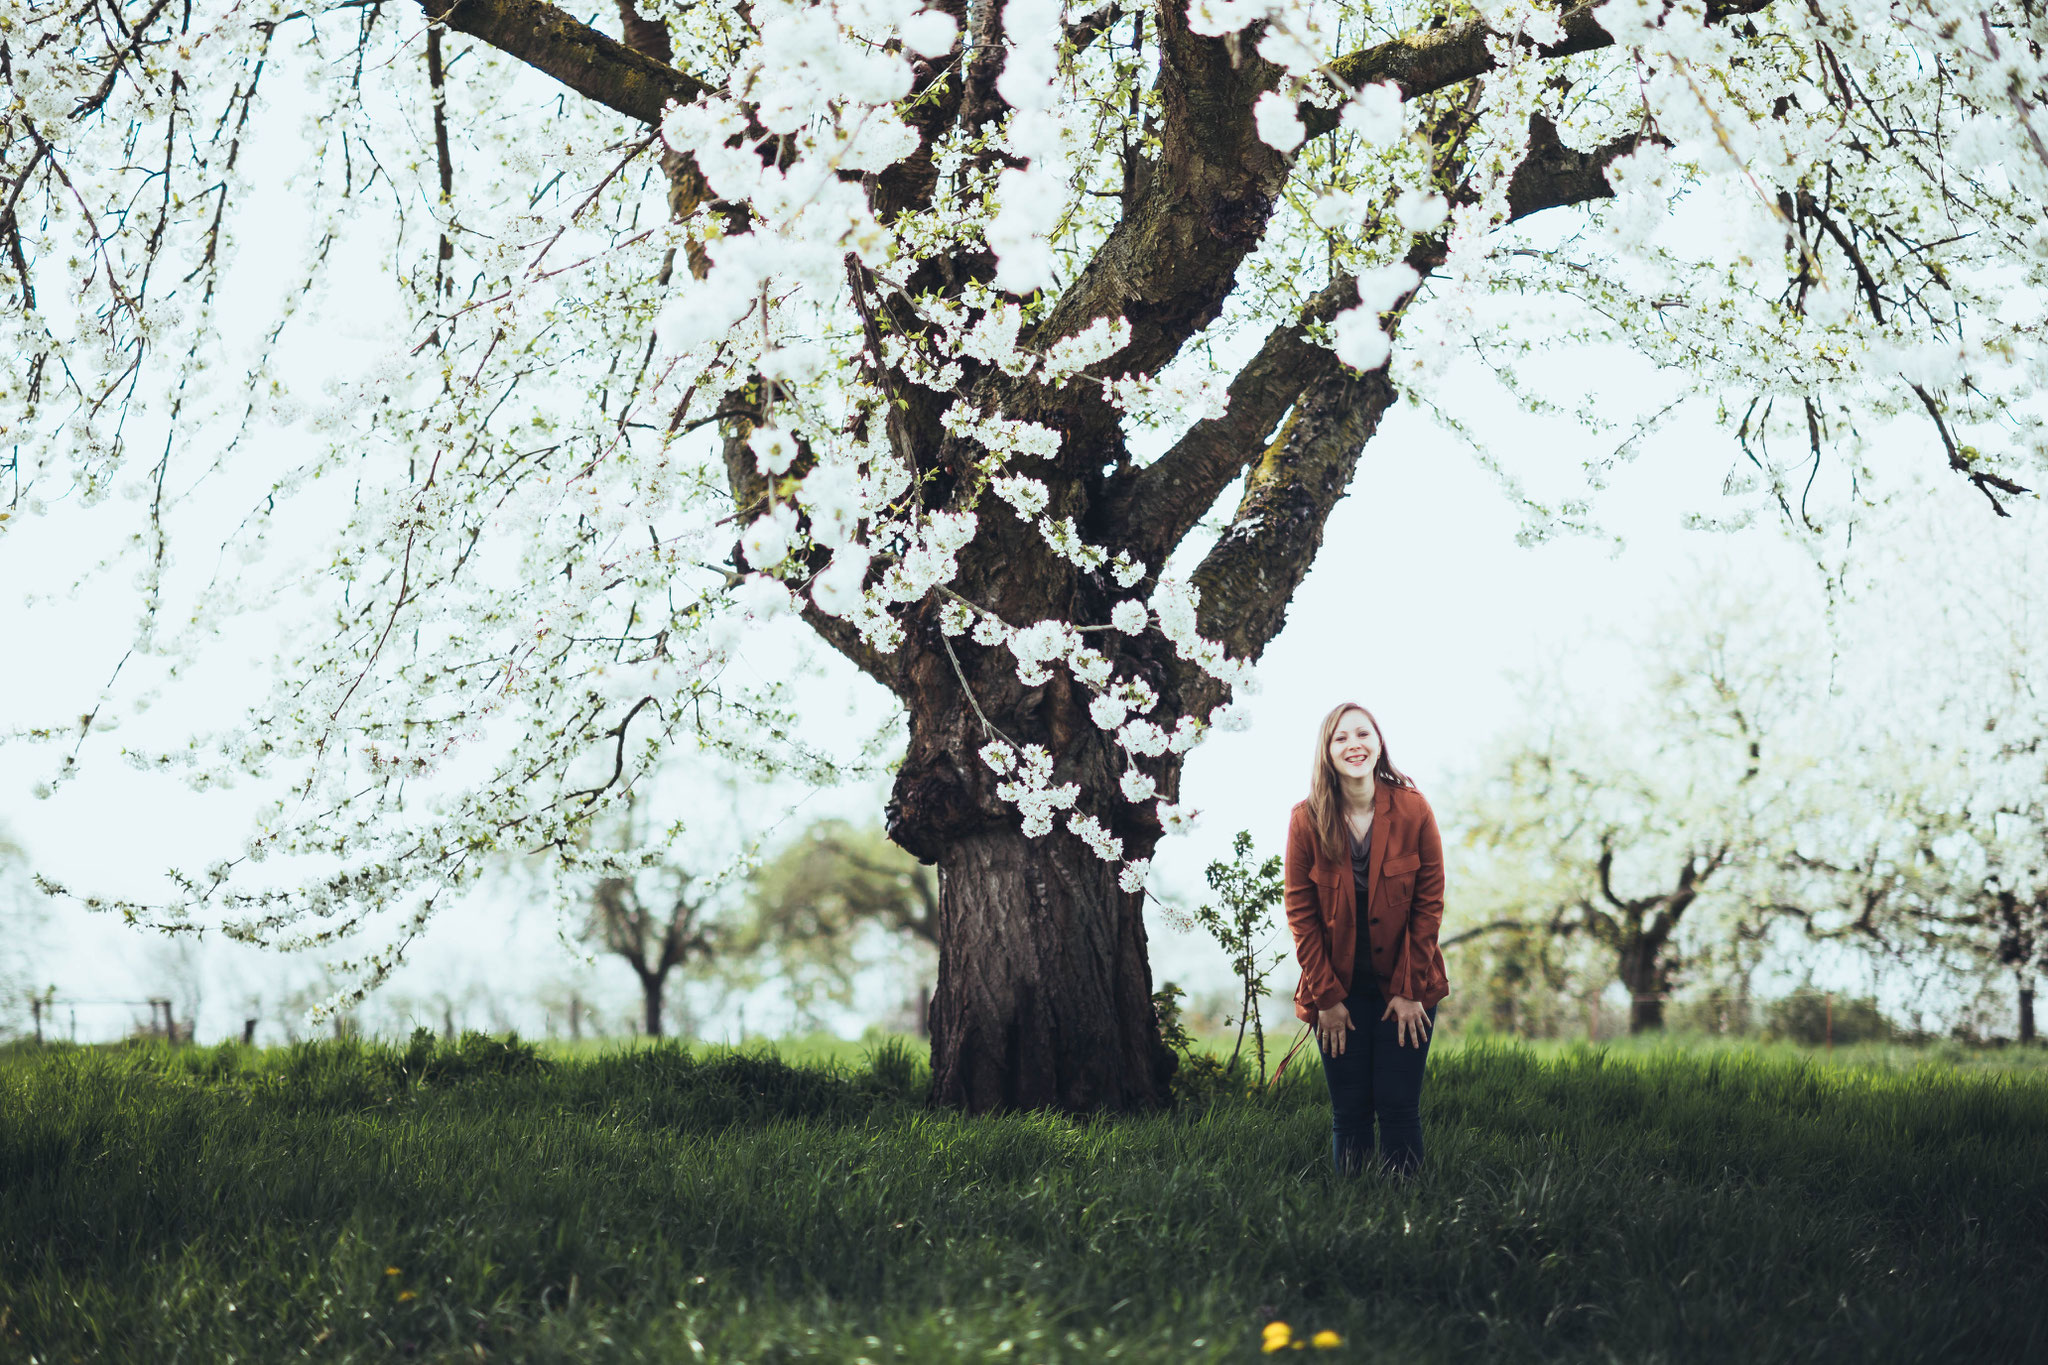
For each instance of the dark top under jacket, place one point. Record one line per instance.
(1361, 862)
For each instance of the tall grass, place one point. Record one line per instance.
(484, 1202)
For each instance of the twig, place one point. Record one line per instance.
(958, 672)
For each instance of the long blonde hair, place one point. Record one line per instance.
(1325, 789)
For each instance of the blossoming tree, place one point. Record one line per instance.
(943, 327)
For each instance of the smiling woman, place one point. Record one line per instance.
(1366, 838)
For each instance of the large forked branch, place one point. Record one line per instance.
(1247, 579)
(1168, 265)
(1250, 575)
(1172, 493)
(553, 41)
(1421, 63)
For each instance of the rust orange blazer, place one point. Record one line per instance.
(1406, 876)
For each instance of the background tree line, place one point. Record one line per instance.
(1788, 788)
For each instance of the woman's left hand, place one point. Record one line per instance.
(1411, 1020)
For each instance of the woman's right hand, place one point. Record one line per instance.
(1332, 1025)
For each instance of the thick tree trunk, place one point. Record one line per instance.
(1647, 975)
(2026, 1010)
(651, 986)
(1045, 994)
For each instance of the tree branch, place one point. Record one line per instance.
(1166, 498)
(555, 42)
(1605, 867)
(1249, 576)
(1423, 63)
(1167, 267)
(1495, 927)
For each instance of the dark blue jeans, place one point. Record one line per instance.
(1376, 1076)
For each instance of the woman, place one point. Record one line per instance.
(1363, 849)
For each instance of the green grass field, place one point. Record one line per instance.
(341, 1202)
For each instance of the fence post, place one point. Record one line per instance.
(248, 1033)
(35, 1005)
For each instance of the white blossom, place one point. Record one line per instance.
(1100, 841)
(1374, 113)
(762, 597)
(1090, 666)
(1187, 733)
(837, 589)
(774, 449)
(1279, 126)
(1026, 494)
(1421, 210)
(830, 494)
(1142, 737)
(767, 539)
(990, 629)
(930, 33)
(1360, 342)
(1092, 345)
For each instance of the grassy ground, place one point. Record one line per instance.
(343, 1202)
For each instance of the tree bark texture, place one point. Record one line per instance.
(652, 986)
(1045, 991)
(1642, 966)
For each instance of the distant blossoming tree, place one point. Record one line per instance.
(1931, 852)
(1654, 826)
(943, 327)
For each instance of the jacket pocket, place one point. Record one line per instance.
(1397, 878)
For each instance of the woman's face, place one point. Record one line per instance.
(1354, 745)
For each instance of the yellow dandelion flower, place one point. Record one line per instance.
(1277, 1336)
(1325, 1339)
(405, 1294)
(392, 1270)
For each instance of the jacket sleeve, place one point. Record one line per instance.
(1417, 967)
(1319, 984)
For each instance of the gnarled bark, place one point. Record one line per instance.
(1045, 991)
